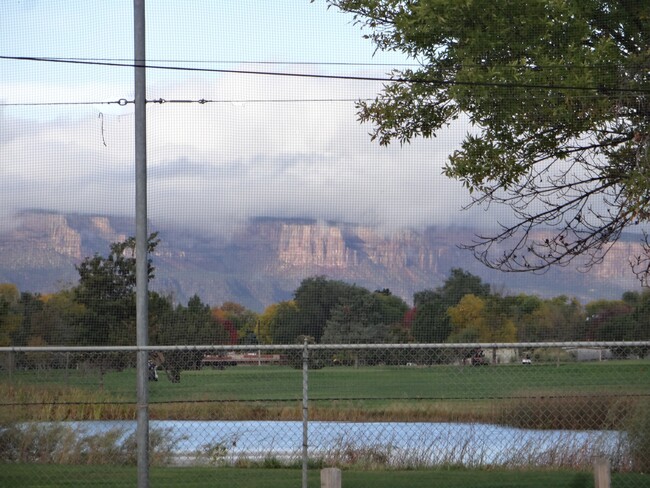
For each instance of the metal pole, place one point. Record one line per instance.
(305, 412)
(141, 242)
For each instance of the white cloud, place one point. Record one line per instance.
(212, 165)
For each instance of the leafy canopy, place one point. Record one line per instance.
(558, 94)
(107, 289)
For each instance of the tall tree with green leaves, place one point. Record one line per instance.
(10, 319)
(282, 322)
(556, 319)
(185, 325)
(558, 97)
(432, 323)
(107, 289)
(60, 320)
(315, 298)
(358, 319)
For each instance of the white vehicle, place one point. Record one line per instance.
(526, 361)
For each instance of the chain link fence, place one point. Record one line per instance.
(260, 175)
(520, 407)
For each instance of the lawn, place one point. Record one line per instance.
(437, 382)
(50, 476)
(419, 393)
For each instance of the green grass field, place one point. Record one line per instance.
(48, 476)
(438, 382)
(441, 392)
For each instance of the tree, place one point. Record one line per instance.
(266, 323)
(500, 319)
(30, 307)
(358, 319)
(641, 331)
(240, 322)
(187, 325)
(556, 319)
(392, 308)
(606, 318)
(62, 317)
(431, 323)
(282, 321)
(10, 320)
(469, 321)
(315, 299)
(461, 283)
(107, 289)
(558, 97)
(395, 313)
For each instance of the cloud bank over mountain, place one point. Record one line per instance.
(213, 166)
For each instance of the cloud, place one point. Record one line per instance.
(217, 164)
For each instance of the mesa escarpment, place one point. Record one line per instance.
(349, 246)
(265, 260)
(48, 232)
(314, 245)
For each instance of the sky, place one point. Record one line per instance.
(258, 149)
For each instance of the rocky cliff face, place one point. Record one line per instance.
(49, 232)
(314, 245)
(348, 247)
(266, 260)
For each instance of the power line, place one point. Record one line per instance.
(44, 104)
(202, 101)
(199, 101)
(418, 80)
(531, 67)
(132, 64)
(255, 100)
(234, 61)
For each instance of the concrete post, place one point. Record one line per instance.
(330, 478)
(602, 476)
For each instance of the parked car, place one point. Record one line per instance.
(526, 360)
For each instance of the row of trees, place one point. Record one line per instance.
(100, 310)
(463, 309)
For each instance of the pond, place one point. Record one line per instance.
(399, 444)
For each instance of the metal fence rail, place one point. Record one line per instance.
(530, 406)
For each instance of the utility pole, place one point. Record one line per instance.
(141, 243)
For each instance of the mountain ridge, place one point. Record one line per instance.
(264, 261)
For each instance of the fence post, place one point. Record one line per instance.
(10, 366)
(602, 477)
(330, 478)
(305, 411)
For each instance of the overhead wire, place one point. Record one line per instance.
(396, 79)
(45, 104)
(530, 66)
(199, 101)
(232, 61)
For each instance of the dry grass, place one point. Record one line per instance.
(29, 402)
(580, 412)
(53, 403)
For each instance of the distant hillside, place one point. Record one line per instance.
(266, 260)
